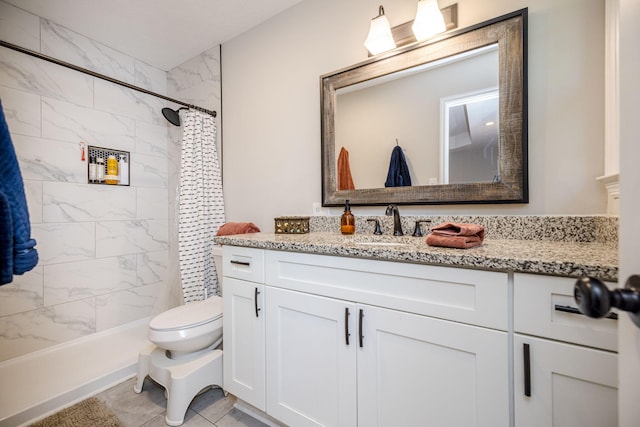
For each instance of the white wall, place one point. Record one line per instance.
(103, 249)
(271, 101)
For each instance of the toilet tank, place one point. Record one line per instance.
(217, 259)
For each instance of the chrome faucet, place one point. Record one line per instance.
(397, 224)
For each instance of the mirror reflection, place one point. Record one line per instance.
(452, 110)
(469, 143)
(407, 108)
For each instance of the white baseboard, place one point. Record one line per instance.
(40, 383)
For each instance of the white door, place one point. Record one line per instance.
(311, 359)
(243, 332)
(629, 122)
(564, 389)
(417, 371)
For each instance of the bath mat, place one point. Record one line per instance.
(88, 413)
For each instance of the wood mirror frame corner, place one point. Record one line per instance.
(510, 33)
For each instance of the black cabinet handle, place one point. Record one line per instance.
(255, 301)
(233, 261)
(574, 310)
(361, 337)
(527, 369)
(346, 325)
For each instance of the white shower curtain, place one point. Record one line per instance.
(201, 206)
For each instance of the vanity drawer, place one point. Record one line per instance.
(462, 295)
(543, 306)
(243, 263)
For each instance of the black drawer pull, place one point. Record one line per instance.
(233, 261)
(574, 310)
(255, 301)
(346, 325)
(361, 337)
(527, 370)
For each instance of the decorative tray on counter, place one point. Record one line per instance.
(292, 225)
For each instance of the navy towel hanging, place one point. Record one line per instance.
(398, 175)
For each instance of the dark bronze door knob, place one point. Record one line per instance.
(594, 299)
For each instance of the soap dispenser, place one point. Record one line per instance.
(347, 221)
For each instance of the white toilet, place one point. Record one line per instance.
(188, 330)
(184, 358)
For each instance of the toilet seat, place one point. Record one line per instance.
(188, 316)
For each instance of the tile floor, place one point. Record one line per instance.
(148, 408)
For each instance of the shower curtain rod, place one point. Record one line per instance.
(100, 76)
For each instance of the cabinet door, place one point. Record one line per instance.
(420, 371)
(570, 385)
(244, 329)
(311, 369)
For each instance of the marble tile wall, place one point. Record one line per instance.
(104, 251)
(197, 81)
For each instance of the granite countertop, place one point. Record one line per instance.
(568, 259)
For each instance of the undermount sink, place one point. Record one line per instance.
(381, 244)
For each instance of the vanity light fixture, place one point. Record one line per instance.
(428, 21)
(380, 38)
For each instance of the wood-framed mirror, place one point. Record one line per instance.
(437, 101)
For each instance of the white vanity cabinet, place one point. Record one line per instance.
(374, 343)
(565, 364)
(418, 370)
(311, 371)
(244, 324)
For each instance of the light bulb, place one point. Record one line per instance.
(380, 38)
(429, 20)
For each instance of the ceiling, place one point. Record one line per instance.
(162, 33)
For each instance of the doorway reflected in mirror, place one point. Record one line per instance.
(469, 138)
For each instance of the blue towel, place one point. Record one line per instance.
(6, 241)
(17, 254)
(398, 175)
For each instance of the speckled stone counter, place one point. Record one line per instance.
(559, 258)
